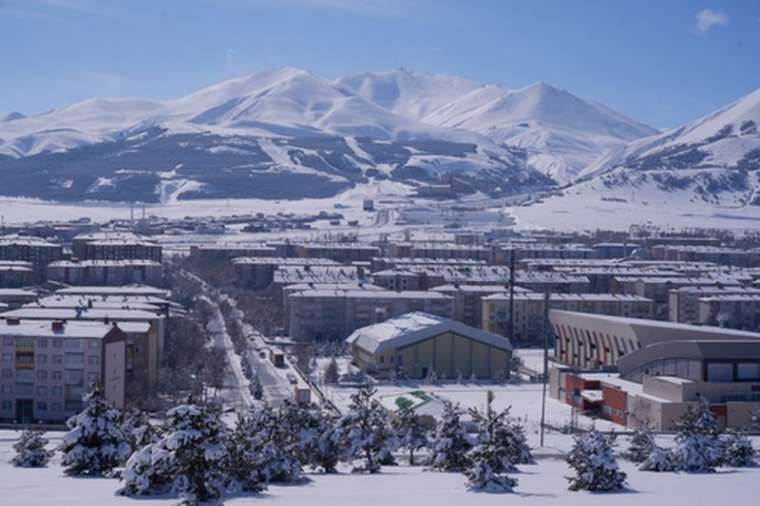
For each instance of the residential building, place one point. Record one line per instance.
(334, 314)
(106, 272)
(33, 250)
(530, 311)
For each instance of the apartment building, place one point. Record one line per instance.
(334, 314)
(343, 252)
(530, 311)
(714, 254)
(222, 253)
(258, 273)
(441, 250)
(683, 303)
(34, 250)
(734, 311)
(468, 300)
(16, 274)
(46, 367)
(106, 272)
(115, 246)
(16, 297)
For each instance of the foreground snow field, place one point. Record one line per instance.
(539, 484)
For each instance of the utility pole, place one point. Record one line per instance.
(512, 294)
(547, 298)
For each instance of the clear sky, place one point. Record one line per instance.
(662, 62)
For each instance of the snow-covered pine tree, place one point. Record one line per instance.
(737, 449)
(449, 444)
(150, 470)
(641, 443)
(754, 420)
(30, 449)
(659, 460)
(311, 431)
(365, 432)
(247, 455)
(280, 450)
(95, 442)
(698, 448)
(255, 386)
(138, 429)
(331, 374)
(194, 440)
(412, 435)
(594, 464)
(491, 459)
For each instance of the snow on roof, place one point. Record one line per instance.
(78, 329)
(37, 313)
(114, 290)
(414, 327)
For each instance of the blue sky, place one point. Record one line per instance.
(662, 62)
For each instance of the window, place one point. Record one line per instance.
(42, 375)
(92, 378)
(93, 360)
(56, 406)
(73, 344)
(94, 344)
(42, 406)
(7, 358)
(8, 341)
(720, 373)
(74, 359)
(57, 343)
(7, 389)
(57, 359)
(6, 405)
(57, 391)
(41, 390)
(42, 359)
(57, 375)
(747, 371)
(7, 373)
(42, 343)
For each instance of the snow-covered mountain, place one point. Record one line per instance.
(288, 133)
(714, 159)
(558, 133)
(282, 133)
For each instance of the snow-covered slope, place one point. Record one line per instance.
(560, 133)
(713, 159)
(407, 93)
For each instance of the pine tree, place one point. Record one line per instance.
(95, 443)
(138, 429)
(659, 460)
(492, 457)
(594, 464)
(280, 436)
(30, 449)
(331, 374)
(641, 444)
(150, 470)
(314, 436)
(194, 441)
(247, 455)
(698, 448)
(257, 389)
(737, 449)
(413, 436)
(449, 444)
(365, 432)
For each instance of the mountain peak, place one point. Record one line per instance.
(11, 116)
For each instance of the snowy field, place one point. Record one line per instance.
(585, 211)
(524, 399)
(541, 484)
(576, 212)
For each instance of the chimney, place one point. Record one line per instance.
(12, 321)
(57, 325)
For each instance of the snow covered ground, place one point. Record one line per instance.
(525, 400)
(541, 484)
